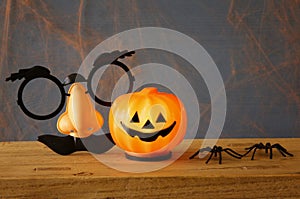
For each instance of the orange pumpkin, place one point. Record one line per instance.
(147, 123)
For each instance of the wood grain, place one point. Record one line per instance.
(31, 170)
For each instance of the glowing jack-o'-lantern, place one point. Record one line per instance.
(148, 123)
(80, 118)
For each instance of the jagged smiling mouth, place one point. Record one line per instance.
(149, 137)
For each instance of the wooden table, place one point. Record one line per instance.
(31, 170)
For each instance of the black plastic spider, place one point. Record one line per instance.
(217, 150)
(268, 147)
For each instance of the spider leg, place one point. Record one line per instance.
(200, 150)
(233, 153)
(212, 152)
(205, 149)
(268, 147)
(216, 149)
(220, 156)
(271, 152)
(195, 154)
(236, 153)
(282, 150)
(249, 149)
(252, 158)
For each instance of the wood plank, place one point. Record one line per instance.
(31, 170)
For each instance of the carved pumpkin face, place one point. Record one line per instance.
(148, 122)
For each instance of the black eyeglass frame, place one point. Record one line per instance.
(43, 72)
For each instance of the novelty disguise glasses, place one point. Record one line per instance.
(42, 72)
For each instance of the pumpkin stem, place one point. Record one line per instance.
(149, 90)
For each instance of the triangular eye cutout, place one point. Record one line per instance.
(160, 118)
(135, 118)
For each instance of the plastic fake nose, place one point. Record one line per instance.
(80, 119)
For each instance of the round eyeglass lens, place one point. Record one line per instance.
(41, 96)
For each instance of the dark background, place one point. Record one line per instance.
(255, 45)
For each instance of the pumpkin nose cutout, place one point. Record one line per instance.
(148, 125)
